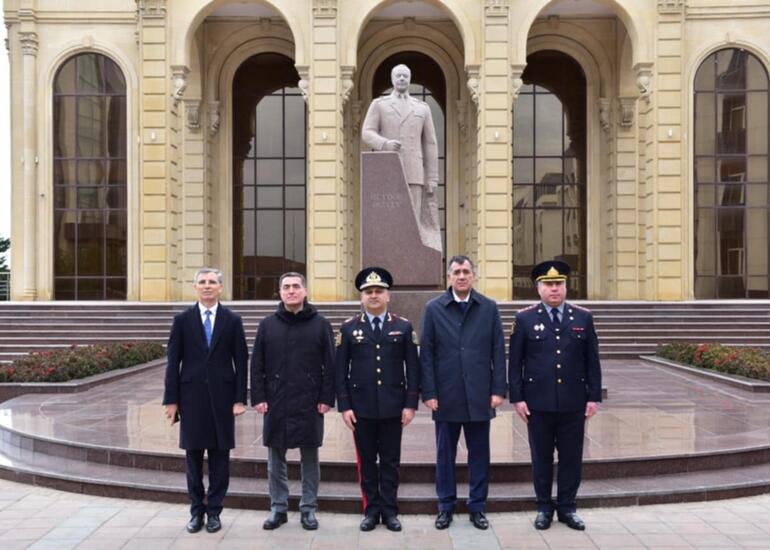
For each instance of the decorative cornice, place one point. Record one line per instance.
(626, 109)
(29, 43)
(324, 9)
(605, 113)
(192, 108)
(304, 81)
(179, 81)
(147, 9)
(671, 6)
(496, 8)
(346, 75)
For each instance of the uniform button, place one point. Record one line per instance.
(530, 380)
(379, 370)
(559, 380)
(378, 358)
(558, 366)
(558, 337)
(378, 346)
(558, 351)
(379, 382)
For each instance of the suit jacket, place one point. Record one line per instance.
(557, 372)
(411, 123)
(206, 382)
(462, 357)
(377, 377)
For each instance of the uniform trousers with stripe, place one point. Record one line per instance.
(379, 438)
(563, 431)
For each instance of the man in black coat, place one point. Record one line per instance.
(205, 388)
(378, 378)
(556, 385)
(462, 355)
(292, 384)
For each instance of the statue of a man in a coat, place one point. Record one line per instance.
(401, 123)
(205, 388)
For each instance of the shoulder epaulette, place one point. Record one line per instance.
(533, 306)
(398, 317)
(581, 308)
(346, 321)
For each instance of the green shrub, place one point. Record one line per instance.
(749, 362)
(79, 361)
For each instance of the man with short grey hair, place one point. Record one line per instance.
(205, 388)
(292, 384)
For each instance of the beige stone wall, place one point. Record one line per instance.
(639, 58)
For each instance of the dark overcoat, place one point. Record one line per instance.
(462, 356)
(206, 382)
(554, 372)
(292, 369)
(377, 377)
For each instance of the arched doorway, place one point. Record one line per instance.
(89, 179)
(731, 176)
(269, 180)
(549, 170)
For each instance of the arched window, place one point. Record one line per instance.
(89, 171)
(428, 85)
(731, 176)
(269, 158)
(549, 171)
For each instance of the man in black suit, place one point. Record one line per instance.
(378, 378)
(205, 388)
(556, 386)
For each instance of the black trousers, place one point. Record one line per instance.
(219, 480)
(378, 437)
(563, 431)
(477, 441)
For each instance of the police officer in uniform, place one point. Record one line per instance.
(556, 385)
(378, 377)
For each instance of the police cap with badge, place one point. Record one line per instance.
(373, 277)
(552, 270)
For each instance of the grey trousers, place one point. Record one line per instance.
(310, 469)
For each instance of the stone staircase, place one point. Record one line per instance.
(626, 329)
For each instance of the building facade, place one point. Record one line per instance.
(150, 137)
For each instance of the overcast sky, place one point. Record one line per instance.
(5, 143)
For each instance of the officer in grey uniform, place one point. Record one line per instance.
(377, 378)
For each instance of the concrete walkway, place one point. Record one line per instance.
(34, 517)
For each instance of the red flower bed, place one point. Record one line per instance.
(749, 362)
(79, 361)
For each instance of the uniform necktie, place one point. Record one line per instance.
(377, 330)
(207, 327)
(463, 306)
(555, 317)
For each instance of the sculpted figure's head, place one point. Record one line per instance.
(400, 77)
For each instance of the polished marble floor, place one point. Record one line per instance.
(650, 411)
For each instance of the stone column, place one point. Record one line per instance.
(29, 45)
(493, 183)
(322, 89)
(153, 171)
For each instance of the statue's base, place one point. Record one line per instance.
(390, 237)
(411, 304)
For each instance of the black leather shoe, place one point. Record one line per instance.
(443, 520)
(543, 521)
(275, 520)
(479, 520)
(213, 524)
(369, 522)
(308, 521)
(392, 523)
(573, 521)
(195, 524)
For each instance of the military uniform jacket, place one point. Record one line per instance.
(554, 371)
(377, 378)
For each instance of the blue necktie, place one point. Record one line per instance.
(377, 330)
(207, 327)
(555, 320)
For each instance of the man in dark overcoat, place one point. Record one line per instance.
(292, 384)
(555, 385)
(462, 355)
(205, 388)
(378, 379)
